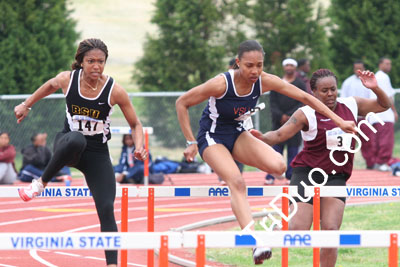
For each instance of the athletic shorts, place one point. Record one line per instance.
(206, 139)
(301, 174)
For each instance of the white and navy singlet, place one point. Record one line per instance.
(220, 122)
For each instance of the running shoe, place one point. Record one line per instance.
(33, 190)
(261, 254)
(269, 182)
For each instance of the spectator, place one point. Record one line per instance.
(381, 144)
(282, 107)
(130, 169)
(303, 69)
(36, 156)
(353, 86)
(8, 174)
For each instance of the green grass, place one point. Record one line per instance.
(366, 217)
(396, 149)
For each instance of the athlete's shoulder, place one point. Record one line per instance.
(215, 86)
(270, 81)
(118, 94)
(64, 75)
(219, 80)
(61, 80)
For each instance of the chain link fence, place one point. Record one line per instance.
(155, 109)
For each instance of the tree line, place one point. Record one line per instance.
(195, 40)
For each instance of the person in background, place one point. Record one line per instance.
(282, 107)
(353, 86)
(380, 146)
(129, 169)
(8, 175)
(303, 68)
(35, 158)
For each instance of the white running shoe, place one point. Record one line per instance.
(261, 254)
(33, 190)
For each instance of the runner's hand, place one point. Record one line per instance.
(140, 153)
(21, 111)
(348, 127)
(190, 152)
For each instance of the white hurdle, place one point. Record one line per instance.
(214, 191)
(200, 240)
(159, 191)
(222, 239)
(283, 239)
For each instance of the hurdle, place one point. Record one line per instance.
(220, 191)
(202, 239)
(345, 191)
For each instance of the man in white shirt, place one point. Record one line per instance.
(353, 86)
(383, 141)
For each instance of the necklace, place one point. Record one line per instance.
(91, 87)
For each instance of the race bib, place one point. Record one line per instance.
(245, 119)
(248, 124)
(87, 125)
(336, 139)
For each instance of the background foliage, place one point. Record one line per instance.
(365, 30)
(37, 40)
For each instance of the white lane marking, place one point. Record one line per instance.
(47, 218)
(36, 257)
(134, 264)
(94, 258)
(67, 254)
(5, 265)
(117, 211)
(33, 252)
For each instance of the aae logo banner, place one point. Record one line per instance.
(218, 191)
(297, 240)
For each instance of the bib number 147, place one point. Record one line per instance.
(87, 125)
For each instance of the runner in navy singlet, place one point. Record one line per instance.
(223, 135)
(320, 136)
(90, 97)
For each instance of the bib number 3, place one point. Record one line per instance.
(336, 139)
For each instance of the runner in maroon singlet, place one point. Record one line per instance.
(320, 136)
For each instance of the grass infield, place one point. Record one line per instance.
(366, 217)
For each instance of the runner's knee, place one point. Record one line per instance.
(279, 166)
(237, 184)
(330, 226)
(76, 141)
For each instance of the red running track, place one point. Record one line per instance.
(79, 215)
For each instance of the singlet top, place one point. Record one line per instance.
(221, 114)
(90, 116)
(315, 153)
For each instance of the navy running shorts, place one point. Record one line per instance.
(206, 139)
